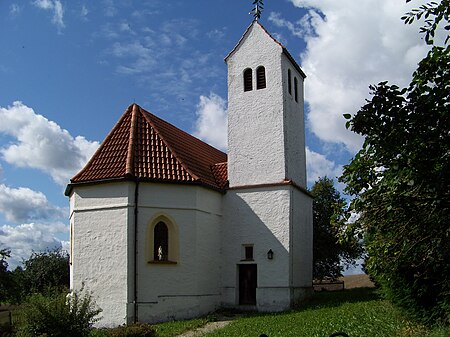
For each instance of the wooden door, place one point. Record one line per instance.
(247, 284)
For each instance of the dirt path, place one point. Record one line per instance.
(205, 329)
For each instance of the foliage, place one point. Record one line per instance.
(134, 330)
(257, 10)
(328, 251)
(434, 13)
(5, 275)
(59, 315)
(45, 271)
(400, 182)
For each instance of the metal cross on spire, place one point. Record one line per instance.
(259, 7)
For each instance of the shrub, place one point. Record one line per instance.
(135, 330)
(59, 315)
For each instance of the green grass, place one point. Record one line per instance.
(174, 328)
(358, 312)
(167, 329)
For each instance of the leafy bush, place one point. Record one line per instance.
(59, 315)
(135, 330)
(45, 271)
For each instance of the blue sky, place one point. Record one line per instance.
(69, 69)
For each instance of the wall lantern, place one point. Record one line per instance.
(270, 254)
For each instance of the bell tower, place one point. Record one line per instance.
(267, 234)
(265, 112)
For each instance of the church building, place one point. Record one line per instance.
(164, 226)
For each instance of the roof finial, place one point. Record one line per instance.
(259, 7)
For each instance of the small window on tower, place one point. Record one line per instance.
(248, 80)
(296, 89)
(289, 82)
(247, 252)
(260, 77)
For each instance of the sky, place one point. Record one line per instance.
(70, 68)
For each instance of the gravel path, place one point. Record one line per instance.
(205, 329)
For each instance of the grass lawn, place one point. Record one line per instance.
(170, 329)
(358, 312)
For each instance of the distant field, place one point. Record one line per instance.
(357, 281)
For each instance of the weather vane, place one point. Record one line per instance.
(259, 6)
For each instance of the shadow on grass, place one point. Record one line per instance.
(326, 299)
(323, 299)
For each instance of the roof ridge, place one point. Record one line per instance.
(129, 170)
(102, 144)
(283, 48)
(166, 143)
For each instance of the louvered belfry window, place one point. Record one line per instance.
(260, 77)
(248, 80)
(289, 82)
(296, 89)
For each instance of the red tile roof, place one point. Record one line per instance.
(145, 147)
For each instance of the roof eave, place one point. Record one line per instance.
(71, 185)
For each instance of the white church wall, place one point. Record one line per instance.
(191, 287)
(100, 240)
(294, 125)
(255, 118)
(259, 217)
(302, 234)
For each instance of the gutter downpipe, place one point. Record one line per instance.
(136, 212)
(130, 172)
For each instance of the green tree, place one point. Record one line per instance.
(46, 270)
(329, 253)
(5, 274)
(434, 13)
(400, 183)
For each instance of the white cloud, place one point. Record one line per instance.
(22, 240)
(212, 123)
(24, 205)
(42, 144)
(296, 29)
(351, 44)
(144, 57)
(110, 8)
(14, 9)
(56, 7)
(84, 12)
(318, 166)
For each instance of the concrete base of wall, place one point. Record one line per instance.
(170, 308)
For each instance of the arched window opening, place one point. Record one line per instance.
(289, 82)
(161, 242)
(296, 89)
(248, 80)
(260, 77)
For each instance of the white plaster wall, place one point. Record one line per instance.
(302, 239)
(101, 240)
(260, 217)
(294, 125)
(255, 118)
(192, 286)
